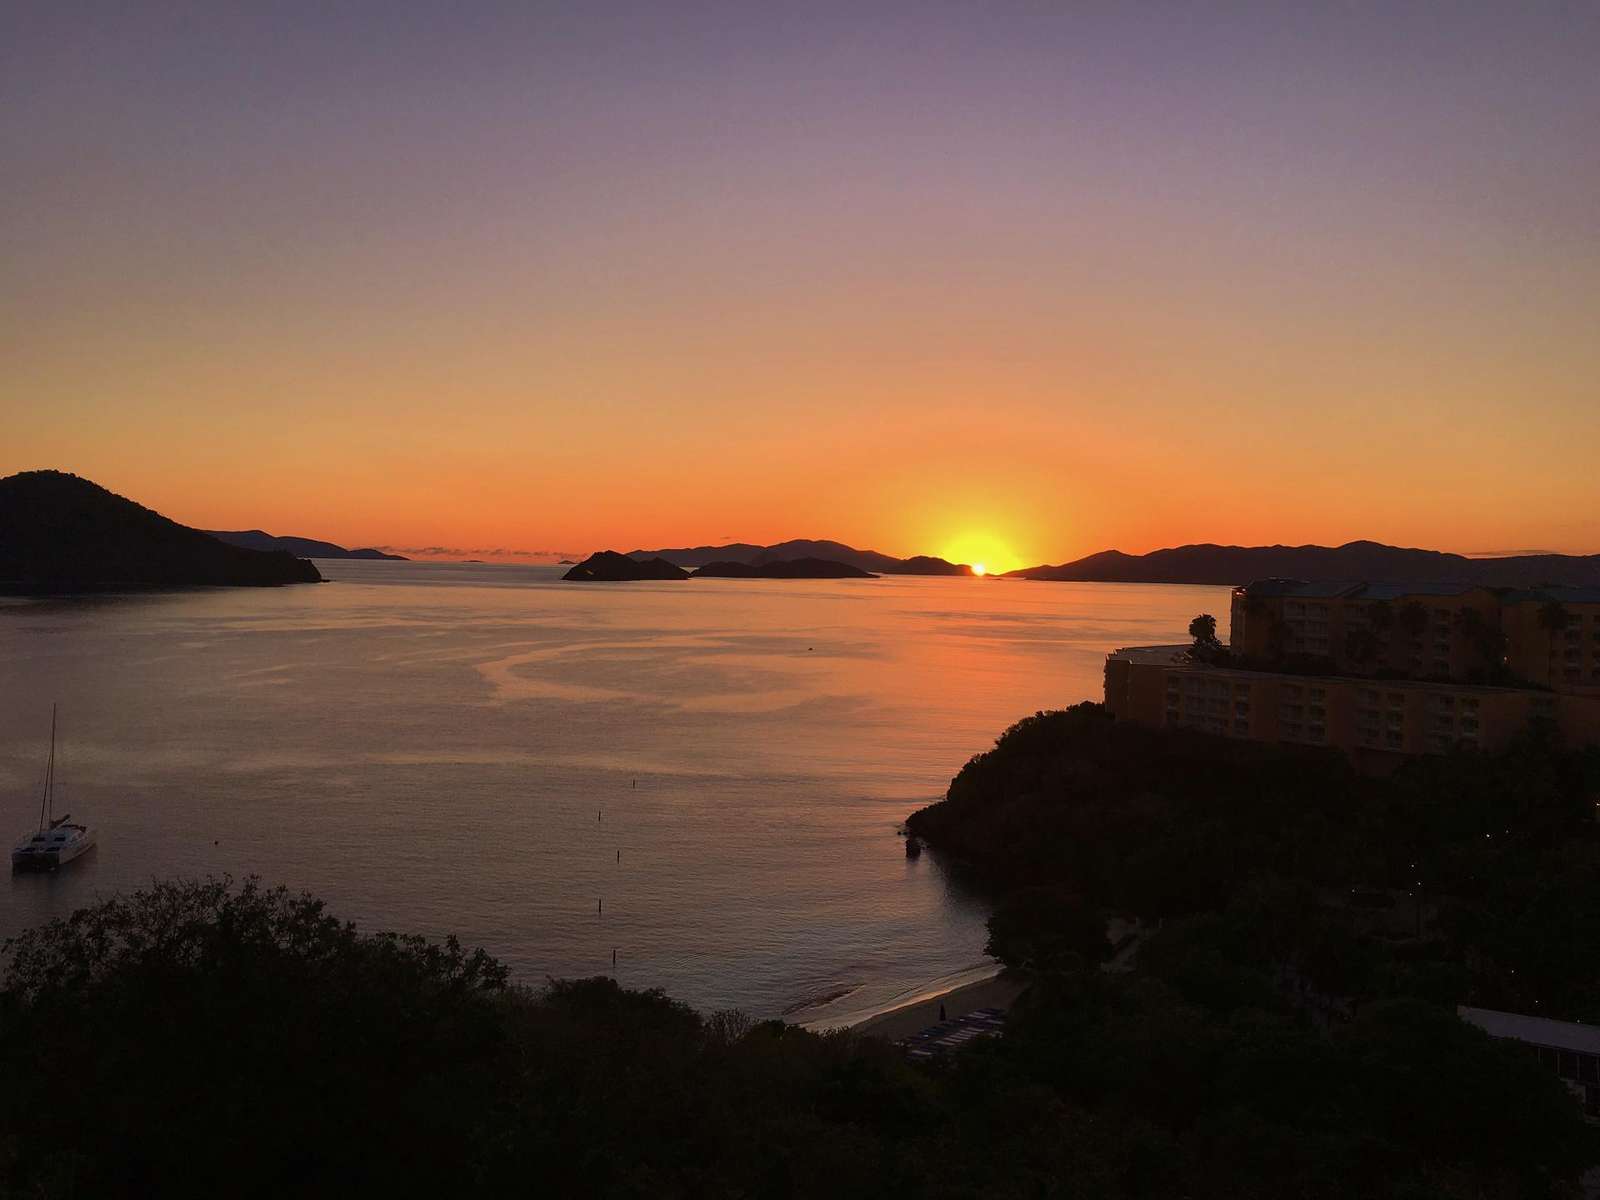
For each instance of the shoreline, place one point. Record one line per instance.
(911, 1010)
(998, 991)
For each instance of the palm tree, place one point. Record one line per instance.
(1485, 640)
(1413, 622)
(1553, 618)
(1361, 646)
(1414, 619)
(1380, 619)
(1203, 629)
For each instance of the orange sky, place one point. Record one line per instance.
(1002, 289)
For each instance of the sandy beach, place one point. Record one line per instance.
(998, 992)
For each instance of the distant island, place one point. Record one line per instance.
(255, 539)
(800, 549)
(1370, 561)
(608, 566)
(60, 533)
(794, 568)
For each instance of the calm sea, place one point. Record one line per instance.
(705, 777)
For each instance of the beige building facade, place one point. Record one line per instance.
(1443, 680)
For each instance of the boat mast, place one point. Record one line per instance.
(46, 805)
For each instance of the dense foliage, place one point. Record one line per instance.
(1309, 932)
(1475, 877)
(1284, 1032)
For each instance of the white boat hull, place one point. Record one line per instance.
(32, 857)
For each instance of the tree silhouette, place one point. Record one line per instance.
(1414, 619)
(1553, 619)
(1486, 641)
(1361, 646)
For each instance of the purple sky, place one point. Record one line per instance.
(1350, 251)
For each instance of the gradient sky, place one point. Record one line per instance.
(1008, 281)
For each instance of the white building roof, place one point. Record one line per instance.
(1539, 1031)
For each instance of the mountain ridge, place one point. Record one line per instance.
(1363, 559)
(790, 568)
(257, 539)
(751, 554)
(60, 533)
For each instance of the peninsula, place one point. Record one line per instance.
(60, 533)
(256, 539)
(1371, 561)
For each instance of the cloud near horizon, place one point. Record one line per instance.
(477, 552)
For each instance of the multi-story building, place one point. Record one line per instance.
(1553, 637)
(1549, 637)
(1469, 667)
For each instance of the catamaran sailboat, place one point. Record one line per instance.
(58, 840)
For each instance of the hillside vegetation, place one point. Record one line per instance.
(205, 1039)
(60, 533)
(1286, 1029)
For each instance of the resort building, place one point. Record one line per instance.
(1378, 670)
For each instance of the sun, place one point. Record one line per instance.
(981, 551)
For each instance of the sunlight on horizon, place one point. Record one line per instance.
(987, 554)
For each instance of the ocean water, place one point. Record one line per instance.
(704, 777)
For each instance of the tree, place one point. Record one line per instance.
(1203, 629)
(1361, 646)
(1553, 619)
(220, 1034)
(1486, 642)
(1414, 619)
(1553, 616)
(1047, 929)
